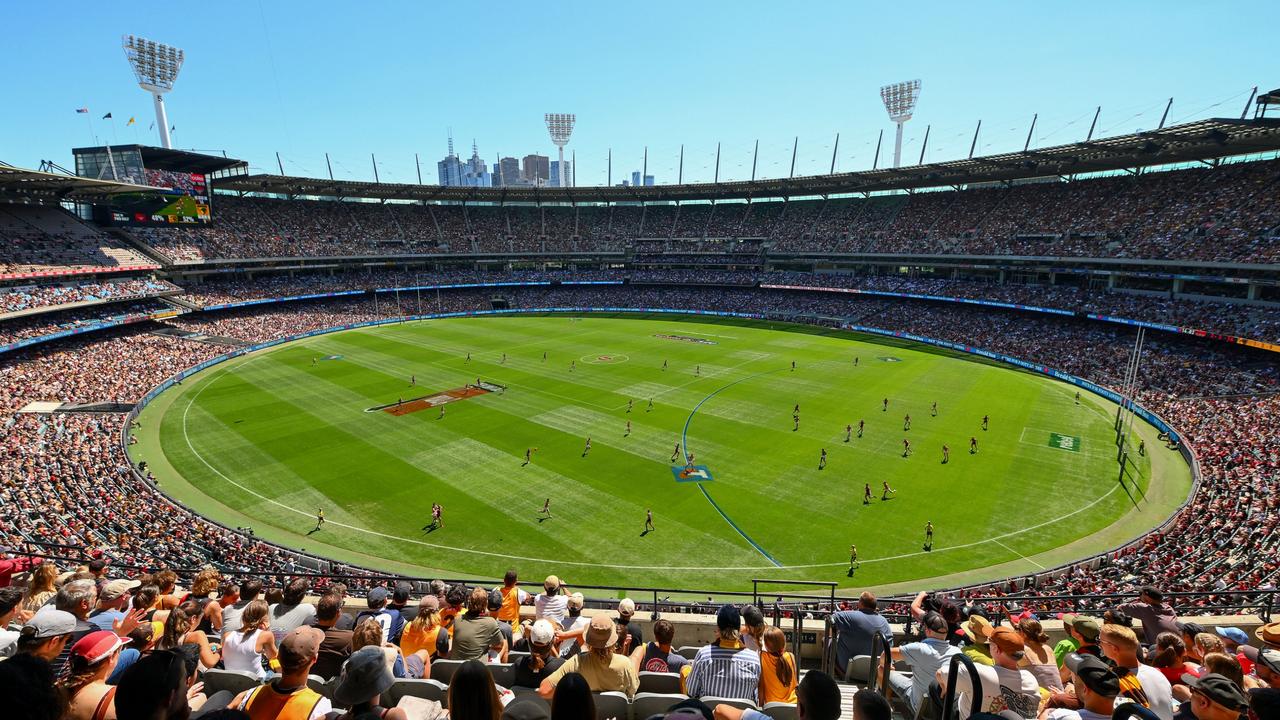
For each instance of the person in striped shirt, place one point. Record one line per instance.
(726, 667)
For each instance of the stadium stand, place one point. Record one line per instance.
(37, 240)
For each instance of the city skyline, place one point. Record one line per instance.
(723, 75)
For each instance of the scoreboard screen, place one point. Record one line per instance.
(185, 201)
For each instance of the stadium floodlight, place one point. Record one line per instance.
(156, 67)
(900, 101)
(560, 125)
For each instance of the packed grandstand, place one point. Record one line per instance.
(1054, 272)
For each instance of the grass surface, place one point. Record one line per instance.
(267, 439)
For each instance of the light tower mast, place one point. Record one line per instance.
(900, 101)
(560, 125)
(156, 66)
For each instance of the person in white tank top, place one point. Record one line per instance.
(244, 649)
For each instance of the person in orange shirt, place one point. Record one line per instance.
(512, 598)
(424, 630)
(778, 675)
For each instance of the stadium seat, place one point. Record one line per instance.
(646, 703)
(689, 651)
(612, 705)
(780, 711)
(504, 674)
(712, 700)
(236, 681)
(514, 657)
(427, 689)
(443, 670)
(320, 685)
(519, 690)
(659, 682)
(858, 669)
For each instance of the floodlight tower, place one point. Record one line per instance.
(156, 67)
(900, 100)
(560, 125)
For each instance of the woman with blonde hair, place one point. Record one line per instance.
(245, 648)
(1039, 659)
(778, 676)
(40, 589)
(423, 631)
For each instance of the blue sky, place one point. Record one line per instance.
(390, 78)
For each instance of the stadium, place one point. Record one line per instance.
(935, 396)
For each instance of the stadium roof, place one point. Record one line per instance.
(158, 158)
(34, 185)
(1199, 140)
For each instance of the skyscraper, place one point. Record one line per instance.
(537, 169)
(555, 174)
(635, 178)
(648, 179)
(475, 173)
(507, 172)
(449, 170)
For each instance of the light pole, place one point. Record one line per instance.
(156, 66)
(900, 101)
(560, 125)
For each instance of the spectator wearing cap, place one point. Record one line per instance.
(1264, 704)
(92, 659)
(1082, 637)
(1096, 687)
(1141, 683)
(361, 683)
(1236, 641)
(113, 597)
(369, 633)
(475, 633)
(288, 697)
(423, 632)
(335, 648)
(401, 597)
(47, 634)
(1153, 612)
(552, 603)
(817, 698)
(1003, 685)
(658, 656)
(924, 657)
(387, 618)
(1214, 697)
(630, 636)
(541, 661)
(570, 637)
(1269, 634)
(10, 597)
(856, 628)
(725, 668)
(603, 670)
(977, 631)
(1189, 631)
(512, 598)
(1268, 667)
(292, 612)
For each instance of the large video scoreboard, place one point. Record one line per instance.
(181, 179)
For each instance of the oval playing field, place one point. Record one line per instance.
(375, 425)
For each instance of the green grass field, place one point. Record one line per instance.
(267, 439)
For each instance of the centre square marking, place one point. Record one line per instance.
(604, 359)
(691, 473)
(1064, 442)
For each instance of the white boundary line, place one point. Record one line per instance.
(996, 539)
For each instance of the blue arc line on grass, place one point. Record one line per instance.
(684, 441)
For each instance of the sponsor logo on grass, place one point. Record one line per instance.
(603, 359)
(889, 358)
(691, 473)
(686, 338)
(1064, 442)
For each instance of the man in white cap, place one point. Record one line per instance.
(629, 633)
(570, 638)
(551, 603)
(603, 669)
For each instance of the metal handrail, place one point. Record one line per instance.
(949, 710)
